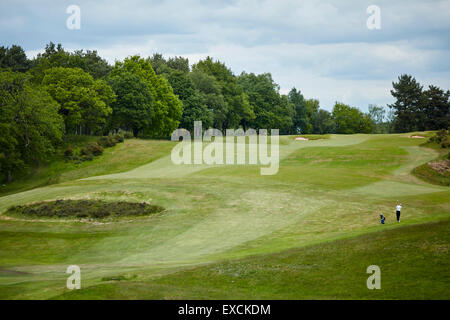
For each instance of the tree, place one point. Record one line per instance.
(409, 103)
(271, 109)
(377, 114)
(238, 109)
(14, 58)
(194, 109)
(56, 56)
(436, 108)
(301, 122)
(133, 109)
(323, 122)
(84, 102)
(30, 124)
(312, 108)
(350, 120)
(167, 108)
(209, 88)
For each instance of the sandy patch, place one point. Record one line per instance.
(301, 139)
(417, 137)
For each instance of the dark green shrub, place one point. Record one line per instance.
(119, 137)
(446, 143)
(439, 137)
(88, 157)
(68, 152)
(107, 141)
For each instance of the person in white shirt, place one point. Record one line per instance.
(398, 208)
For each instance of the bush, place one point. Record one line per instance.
(446, 143)
(439, 137)
(68, 152)
(92, 148)
(88, 157)
(107, 141)
(96, 209)
(119, 137)
(128, 135)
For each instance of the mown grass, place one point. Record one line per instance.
(414, 262)
(326, 190)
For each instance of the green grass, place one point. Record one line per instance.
(122, 157)
(413, 261)
(326, 191)
(427, 173)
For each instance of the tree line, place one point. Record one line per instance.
(59, 93)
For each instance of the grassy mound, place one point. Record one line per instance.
(429, 173)
(96, 209)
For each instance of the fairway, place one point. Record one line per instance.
(229, 222)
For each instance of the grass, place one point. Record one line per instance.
(331, 270)
(120, 158)
(326, 191)
(426, 173)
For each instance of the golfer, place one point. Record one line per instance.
(398, 208)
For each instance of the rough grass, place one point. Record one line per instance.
(427, 173)
(93, 209)
(122, 157)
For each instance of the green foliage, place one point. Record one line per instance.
(84, 102)
(30, 124)
(301, 121)
(92, 148)
(108, 141)
(56, 56)
(323, 122)
(420, 110)
(14, 58)
(439, 137)
(146, 102)
(236, 110)
(271, 109)
(350, 120)
(436, 108)
(69, 152)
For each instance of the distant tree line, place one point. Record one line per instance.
(59, 93)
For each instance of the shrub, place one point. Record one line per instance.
(68, 152)
(119, 137)
(97, 209)
(128, 135)
(107, 141)
(446, 143)
(439, 137)
(87, 157)
(92, 148)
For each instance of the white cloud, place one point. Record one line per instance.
(321, 47)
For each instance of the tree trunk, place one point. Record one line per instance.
(9, 176)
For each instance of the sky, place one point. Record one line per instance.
(323, 48)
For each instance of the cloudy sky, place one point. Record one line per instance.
(323, 48)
